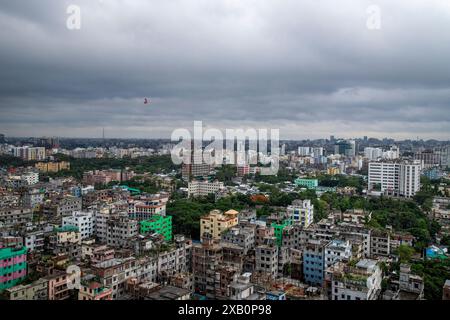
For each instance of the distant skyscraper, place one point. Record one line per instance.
(2, 138)
(352, 151)
(332, 139)
(429, 158)
(345, 148)
(373, 153)
(318, 152)
(304, 151)
(196, 168)
(444, 154)
(48, 143)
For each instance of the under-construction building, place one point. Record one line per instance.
(207, 258)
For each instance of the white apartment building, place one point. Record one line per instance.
(392, 154)
(301, 212)
(29, 153)
(395, 178)
(317, 152)
(373, 153)
(410, 179)
(34, 241)
(84, 221)
(199, 188)
(304, 151)
(337, 251)
(362, 282)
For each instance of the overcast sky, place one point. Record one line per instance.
(312, 68)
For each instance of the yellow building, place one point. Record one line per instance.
(216, 222)
(52, 166)
(68, 234)
(332, 171)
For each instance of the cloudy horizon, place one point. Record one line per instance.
(309, 68)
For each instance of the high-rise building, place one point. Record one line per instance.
(373, 153)
(2, 138)
(392, 154)
(29, 153)
(429, 158)
(317, 152)
(196, 167)
(395, 178)
(444, 154)
(346, 148)
(304, 151)
(283, 150)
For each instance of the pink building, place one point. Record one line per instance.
(106, 176)
(13, 266)
(243, 170)
(57, 286)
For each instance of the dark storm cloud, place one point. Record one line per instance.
(310, 68)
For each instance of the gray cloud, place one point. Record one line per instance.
(310, 68)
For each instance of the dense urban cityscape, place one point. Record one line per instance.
(111, 219)
(224, 158)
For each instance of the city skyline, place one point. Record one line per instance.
(305, 68)
(337, 138)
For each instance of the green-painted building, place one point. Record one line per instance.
(158, 224)
(308, 183)
(278, 230)
(67, 228)
(13, 267)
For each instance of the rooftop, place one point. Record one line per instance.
(168, 293)
(8, 252)
(366, 264)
